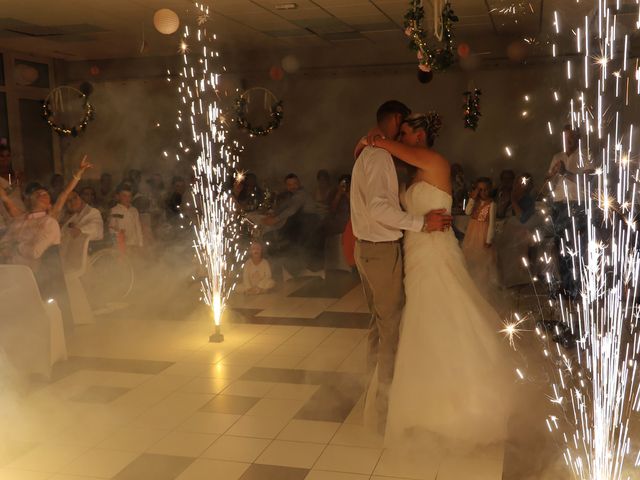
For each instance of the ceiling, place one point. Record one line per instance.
(104, 29)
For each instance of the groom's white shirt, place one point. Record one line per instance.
(376, 215)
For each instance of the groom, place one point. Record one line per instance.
(378, 223)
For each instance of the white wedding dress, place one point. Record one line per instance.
(451, 379)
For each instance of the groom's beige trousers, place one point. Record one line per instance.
(381, 270)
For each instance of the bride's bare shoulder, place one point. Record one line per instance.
(435, 157)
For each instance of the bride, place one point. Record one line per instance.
(451, 380)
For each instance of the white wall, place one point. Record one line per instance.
(325, 115)
(326, 111)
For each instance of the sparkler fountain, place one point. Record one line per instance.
(200, 120)
(596, 387)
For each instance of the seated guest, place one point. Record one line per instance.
(124, 220)
(523, 205)
(31, 234)
(459, 189)
(295, 200)
(256, 273)
(106, 194)
(56, 209)
(503, 193)
(89, 196)
(323, 191)
(57, 185)
(133, 179)
(32, 240)
(333, 224)
(83, 219)
(251, 196)
(296, 224)
(175, 198)
(515, 240)
(339, 207)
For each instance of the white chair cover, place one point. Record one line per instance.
(31, 330)
(75, 254)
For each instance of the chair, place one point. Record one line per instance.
(31, 330)
(75, 254)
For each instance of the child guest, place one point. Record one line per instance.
(124, 219)
(478, 240)
(256, 273)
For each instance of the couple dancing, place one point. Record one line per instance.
(440, 370)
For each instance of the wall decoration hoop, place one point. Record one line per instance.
(55, 103)
(272, 104)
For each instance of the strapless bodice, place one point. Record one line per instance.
(422, 197)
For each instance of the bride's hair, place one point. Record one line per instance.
(429, 122)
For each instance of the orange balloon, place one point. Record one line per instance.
(276, 73)
(464, 50)
(94, 70)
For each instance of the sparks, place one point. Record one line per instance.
(597, 387)
(512, 331)
(215, 225)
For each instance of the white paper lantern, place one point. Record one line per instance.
(26, 74)
(290, 64)
(166, 21)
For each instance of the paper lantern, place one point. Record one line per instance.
(517, 51)
(290, 64)
(26, 74)
(166, 21)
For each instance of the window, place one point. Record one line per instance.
(31, 74)
(37, 142)
(4, 117)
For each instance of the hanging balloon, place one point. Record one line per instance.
(464, 50)
(26, 74)
(425, 76)
(290, 64)
(166, 21)
(517, 51)
(276, 73)
(94, 70)
(86, 88)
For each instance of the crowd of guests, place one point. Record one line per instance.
(132, 214)
(39, 222)
(293, 226)
(290, 228)
(503, 218)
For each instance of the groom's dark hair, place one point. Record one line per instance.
(392, 107)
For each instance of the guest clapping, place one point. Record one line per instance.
(503, 193)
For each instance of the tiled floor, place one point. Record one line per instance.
(280, 399)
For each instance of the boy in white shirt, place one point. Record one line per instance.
(256, 273)
(125, 220)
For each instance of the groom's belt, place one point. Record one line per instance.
(388, 242)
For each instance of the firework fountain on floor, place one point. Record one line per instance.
(200, 120)
(596, 385)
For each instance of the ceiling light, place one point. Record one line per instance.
(286, 6)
